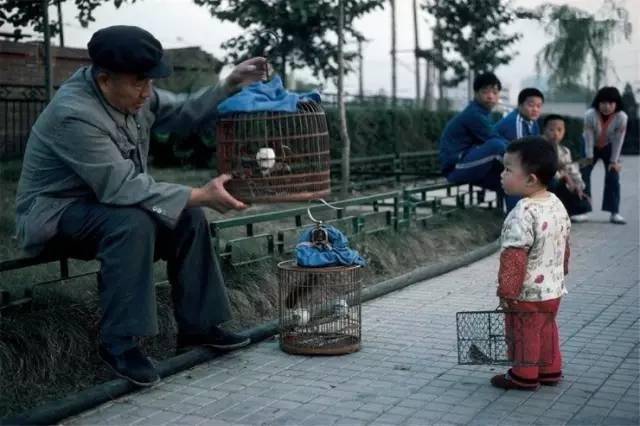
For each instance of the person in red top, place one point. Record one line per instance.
(605, 126)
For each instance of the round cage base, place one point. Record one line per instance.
(265, 196)
(319, 343)
(293, 188)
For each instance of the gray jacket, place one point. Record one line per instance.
(80, 147)
(615, 133)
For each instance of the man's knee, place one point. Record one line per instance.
(133, 223)
(194, 216)
(495, 146)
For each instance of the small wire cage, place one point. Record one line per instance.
(275, 157)
(488, 338)
(320, 309)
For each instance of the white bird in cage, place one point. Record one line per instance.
(266, 158)
(341, 308)
(301, 316)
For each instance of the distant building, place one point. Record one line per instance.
(22, 64)
(22, 94)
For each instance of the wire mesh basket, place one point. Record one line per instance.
(491, 338)
(320, 309)
(275, 157)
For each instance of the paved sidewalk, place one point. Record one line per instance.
(407, 372)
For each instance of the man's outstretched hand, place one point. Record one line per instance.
(247, 72)
(215, 196)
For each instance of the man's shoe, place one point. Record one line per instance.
(617, 219)
(579, 218)
(217, 338)
(131, 365)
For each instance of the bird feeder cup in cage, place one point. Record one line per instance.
(275, 156)
(320, 309)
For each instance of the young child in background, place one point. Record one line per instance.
(522, 121)
(533, 265)
(568, 184)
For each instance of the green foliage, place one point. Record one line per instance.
(469, 36)
(580, 40)
(292, 33)
(373, 130)
(569, 92)
(377, 130)
(21, 14)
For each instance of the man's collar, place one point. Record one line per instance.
(529, 122)
(119, 117)
(478, 104)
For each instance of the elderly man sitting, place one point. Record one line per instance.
(85, 186)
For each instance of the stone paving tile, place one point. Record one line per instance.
(407, 372)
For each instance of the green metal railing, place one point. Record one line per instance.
(239, 241)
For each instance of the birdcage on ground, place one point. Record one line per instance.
(502, 337)
(320, 309)
(275, 156)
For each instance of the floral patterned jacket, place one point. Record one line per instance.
(535, 250)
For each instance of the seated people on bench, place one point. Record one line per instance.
(85, 186)
(470, 151)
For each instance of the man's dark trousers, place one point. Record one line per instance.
(126, 241)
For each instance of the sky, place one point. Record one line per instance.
(180, 23)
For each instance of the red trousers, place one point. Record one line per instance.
(534, 345)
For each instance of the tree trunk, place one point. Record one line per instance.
(48, 78)
(60, 28)
(441, 98)
(416, 40)
(344, 134)
(360, 72)
(394, 86)
(428, 83)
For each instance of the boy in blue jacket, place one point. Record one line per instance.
(522, 121)
(470, 151)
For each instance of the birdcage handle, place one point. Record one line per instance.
(313, 219)
(278, 41)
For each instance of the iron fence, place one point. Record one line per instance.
(20, 106)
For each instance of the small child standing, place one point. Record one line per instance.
(533, 265)
(568, 184)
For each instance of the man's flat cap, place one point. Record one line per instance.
(128, 49)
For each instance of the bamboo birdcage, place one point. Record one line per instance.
(275, 156)
(320, 309)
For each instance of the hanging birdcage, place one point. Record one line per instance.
(275, 156)
(490, 338)
(320, 309)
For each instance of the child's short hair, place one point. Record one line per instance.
(486, 79)
(608, 94)
(553, 117)
(529, 92)
(537, 157)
